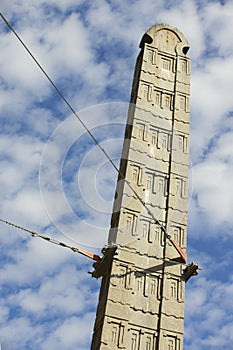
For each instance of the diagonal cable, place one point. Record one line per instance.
(90, 133)
(58, 91)
(53, 241)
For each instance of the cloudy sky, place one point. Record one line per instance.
(54, 180)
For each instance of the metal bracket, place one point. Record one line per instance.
(102, 266)
(190, 270)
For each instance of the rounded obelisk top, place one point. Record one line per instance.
(166, 38)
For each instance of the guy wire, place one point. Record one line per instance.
(84, 126)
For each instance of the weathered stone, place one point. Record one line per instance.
(141, 303)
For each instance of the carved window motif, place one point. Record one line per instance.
(162, 237)
(152, 56)
(182, 143)
(147, 89)
(135, 174)
(163, 141)
(140, 283)
(148, 187)
(153, 286)
(173, 289)
(171, 344)
(169, 140)
(114, 335)
(145, 229)
(148, 343)
(167, 102)
(166, 64)
(157, 233)
(129, 224)
(145, 285)
(157, 98)
(178, 235)
(184, 189)
(181, 230)
(145, 134)
(154, 138)
(180, 187)
(161, 185)
(182, 103)
(183, 65)
(122, 276)
(131, 221)
(134, 341)
(141, 131)
(149, 182)
(152, 234)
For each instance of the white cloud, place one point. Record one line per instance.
(21, 330)
(72, 332)
(19, 69)
(212, 190)
(208, 314)
(213, 181)
(214, 102)
(217, 23)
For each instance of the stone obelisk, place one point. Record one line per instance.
(141, 302)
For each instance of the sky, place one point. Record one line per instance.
(54, 180)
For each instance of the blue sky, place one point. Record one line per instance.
(54, 180)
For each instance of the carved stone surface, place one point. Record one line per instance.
(141, 302)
